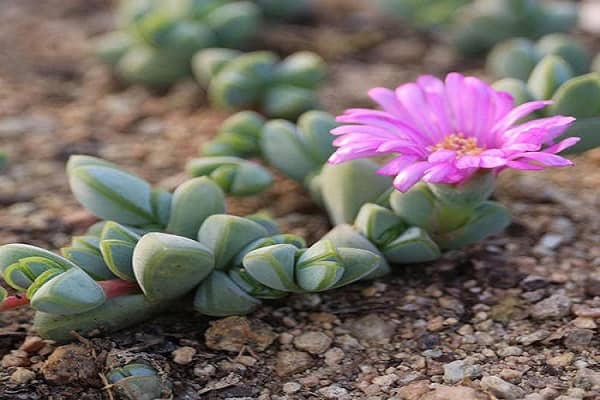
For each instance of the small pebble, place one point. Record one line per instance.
(32, 344)
(205, 371)
(533, 282)
(22, 375)
(502, 389)
(184, 355)
(561, 360)
(556, 306)
(511, 375)
(533, 337)
(291, 387)
(313, 342)
(334, 392)
(579, 339)
(458, 370)
(290, 362)
(510, 351)
(333, 356)
(372, 328)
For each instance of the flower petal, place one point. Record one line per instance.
(410, 175)
(396, 165)
(517, 113)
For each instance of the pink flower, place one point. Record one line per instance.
(444, 132)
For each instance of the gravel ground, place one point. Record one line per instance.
(514, 317)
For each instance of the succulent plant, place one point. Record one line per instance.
(236, 176)
(3, 160)
(280, 88)
(562, 76)
(483, 23)
(352, 192)
(423, 13)
(159, 246)
(137, 380)
(517, 57)
(285, 9)
(157, 40)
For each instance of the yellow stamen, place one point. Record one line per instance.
(459, 143)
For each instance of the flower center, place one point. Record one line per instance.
(460, 144)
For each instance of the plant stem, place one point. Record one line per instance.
(16, 301)
(113, 288)
(117, 287)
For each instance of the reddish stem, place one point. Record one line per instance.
(113, 288)
(16, 301)
(117, 287)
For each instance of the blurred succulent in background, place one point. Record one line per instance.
(3, 160)
(423, 13)
(279, 88)
(557, 68)
(516, 58)
(156, 40)
(483, 23)
(286, 9)
(155, 247)
(235, 176)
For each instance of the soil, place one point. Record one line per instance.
(511, 317)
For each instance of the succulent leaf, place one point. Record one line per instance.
(588, 129)
(282, 147)
(90, 260)
(239, 136)
(303, 69)
(578, 97)
(207, 63)
(137, 381)
(314, 128)
(568, 49)
(517, 88)
(118, 256)
(548, 75)
(161, 205)
(514, 58)
(234, 175)
(266, 220)
(344, 236)
(71, 292)
(111, 47)
(412, 246)
(288, 101)
(151, 67)
(193, 202)
(487, 219)
(111, 193)
(285, 9)
(244, 280)
(114, 231)
(341, 195)
(273, 266)
(235, 23)
(358, 264)
(168, 266)
(13, 253)
(219, 296)
(319, 267)
(227, 235)
(378, 224)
